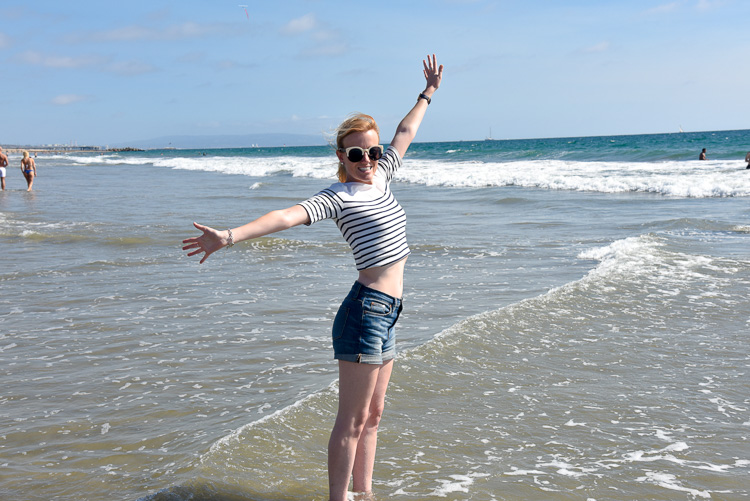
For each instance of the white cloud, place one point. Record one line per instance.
(664, 9)
(130, 68)
(709, 4)
(600, 47)
(332, 49)
(300, 25)
(66, 99)
(322, 42)
(39, 59)
(99, 62)
(140, 33)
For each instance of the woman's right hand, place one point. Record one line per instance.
(209, 241)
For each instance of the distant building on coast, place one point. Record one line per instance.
(50, 148)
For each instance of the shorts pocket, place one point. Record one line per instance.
(339, 323)
(376, 307)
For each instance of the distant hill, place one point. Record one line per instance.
(225, 141)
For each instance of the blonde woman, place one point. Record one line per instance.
(28, 167)
(374, 225)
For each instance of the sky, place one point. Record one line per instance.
(97, 73)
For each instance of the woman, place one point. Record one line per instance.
(28, 167)
(374, 225)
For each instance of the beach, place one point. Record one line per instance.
(575, 325)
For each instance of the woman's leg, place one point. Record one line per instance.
(364, 460)
(357, 384)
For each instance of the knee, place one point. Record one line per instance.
(373, 419)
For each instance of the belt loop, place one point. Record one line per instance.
(356, 289)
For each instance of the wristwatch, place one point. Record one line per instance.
(422, 96)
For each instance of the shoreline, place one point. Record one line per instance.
(54, 151)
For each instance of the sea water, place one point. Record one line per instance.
(575, 325)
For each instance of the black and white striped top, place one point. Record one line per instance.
(369, 216)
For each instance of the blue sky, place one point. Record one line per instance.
(95, 72)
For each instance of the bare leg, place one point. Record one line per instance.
(2, 181)
(364, 461)
(357, 385)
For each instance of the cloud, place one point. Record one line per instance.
(709, 4)
(664, 9)
(300, 25)
(228, 64)
(101, 63)
(130, 68)
(182, 31)
(38, 59)
(66, 99)
(600, 47)
(322, 50)
(192, 57)
(322, 42)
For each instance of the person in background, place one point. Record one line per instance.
(28, 167)
(747, 159)
(374, 224)
(702, 156)
(3, 165)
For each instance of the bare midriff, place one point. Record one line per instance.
(388, 279)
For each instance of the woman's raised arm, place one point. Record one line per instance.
(407, 129)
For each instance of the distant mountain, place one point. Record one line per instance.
(225, 141)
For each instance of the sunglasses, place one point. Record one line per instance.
(356, 154)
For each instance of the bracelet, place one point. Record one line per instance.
(230, 239)
(423, 96)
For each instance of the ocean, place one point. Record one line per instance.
(575, 325)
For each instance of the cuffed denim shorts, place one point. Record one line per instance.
(364, 327)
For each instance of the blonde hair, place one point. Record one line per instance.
(356, 122)
(25, 154)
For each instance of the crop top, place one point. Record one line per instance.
(368, 215)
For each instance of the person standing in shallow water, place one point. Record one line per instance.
(702, 156)
(3, 165)
(747, 159)
(28, 167)
(374, 225)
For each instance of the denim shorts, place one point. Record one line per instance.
(364, 327)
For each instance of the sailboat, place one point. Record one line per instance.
(681, 129)
(489, 138)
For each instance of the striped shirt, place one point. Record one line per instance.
(369, 217)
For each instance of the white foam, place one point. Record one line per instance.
(675, 179)
(679, 179)
(457, 483)
(669, 481)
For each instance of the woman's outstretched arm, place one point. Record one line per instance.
(212, 240)
(407, 129)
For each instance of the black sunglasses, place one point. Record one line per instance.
(356, 154)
